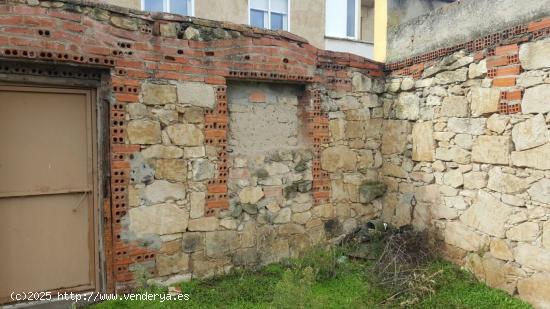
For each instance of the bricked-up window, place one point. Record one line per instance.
(342, 18)
(182, 7)
(269, 14)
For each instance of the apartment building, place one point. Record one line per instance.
(339, 25)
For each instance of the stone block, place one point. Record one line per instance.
(196, 94)
(476, 70)
(197, 201)
(463, 237)
(492, 149)
(161, 190)
(393, 170)
(172, 264)
(506, 183)
(158, 94)
(251, 195)
(526, 232)
(484, 101)
(536, 290)
(423, 142)
(540, 192)
(136, 110)
(534, 55)
(407, 106)
(203, 169)
(171, 169)
(169, 30)
(530, 133)
(368, 192)
(450, 77)
(363, 83)
(125, 23)
(487, 214)
(162, 152)
(497, 123)
(453, 178)
(394, 136)
(536, 157)
(144, 132)
(192, 242)
(454, 106)
(354, 129)
(532, 256)
(160, 219)
(501, 250)
(464, 141)
(535, 100)
(185, 135)
(337, 128)
(338, 158)
(302, 217)
(453, 154)
(475, 180)
(205, 224)
(220, 243)
(473, 126)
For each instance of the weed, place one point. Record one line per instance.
(294, 290)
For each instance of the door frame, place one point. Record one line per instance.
(98, 153)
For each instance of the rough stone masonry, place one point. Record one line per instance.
(214, 166)
(465, 155)
(209, 168)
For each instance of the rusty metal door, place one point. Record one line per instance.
(47, 190)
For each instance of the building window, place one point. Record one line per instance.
(182, 7)
(269, 14)
(342, 18)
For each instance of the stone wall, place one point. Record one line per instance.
(458, 137)
(294, 179)
(191, 195)
(465, 152)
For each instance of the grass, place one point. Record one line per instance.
(319, 281)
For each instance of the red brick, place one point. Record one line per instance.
(495, 61)
(124, 97)
(137, 74)
(508, 70)
(119, 148)
(19, 30)
(25, 42)
(504, 82)
(221, 188)
(98, 50)
(11, 20)
(4, 40)
(209, 133)
(506, 50)
(223, 203)
(539, 24)
(120, 164)
(512, 95)
(257, 97)
(215, 80)
(126, 63)
(74, 27)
